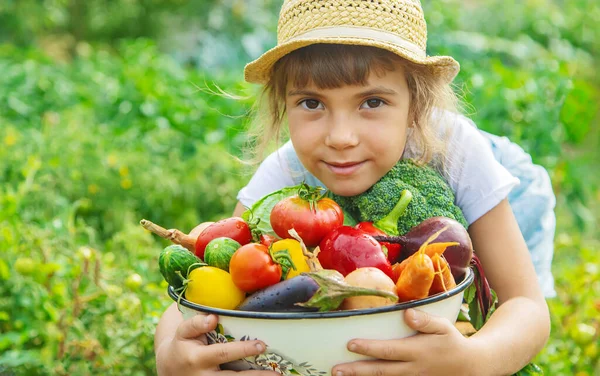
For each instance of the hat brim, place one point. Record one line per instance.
(259, 70)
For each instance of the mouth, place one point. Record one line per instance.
(344, 168)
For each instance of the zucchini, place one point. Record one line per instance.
(175, 262)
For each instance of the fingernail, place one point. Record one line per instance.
(260, 347)
(339, 373)
(207, 321)
(352, 346)
(417, 316)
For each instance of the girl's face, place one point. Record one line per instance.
(349, 137)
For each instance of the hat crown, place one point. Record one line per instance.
(402, 18)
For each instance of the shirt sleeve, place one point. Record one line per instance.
(479, 181)
(272, 174)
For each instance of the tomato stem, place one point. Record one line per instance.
(311, 194)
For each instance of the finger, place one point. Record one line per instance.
(196, 326)
(219, 353)
(392, 349)
(426, 323)
(371, 368)
(250, 373)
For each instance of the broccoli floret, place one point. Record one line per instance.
(431, 197)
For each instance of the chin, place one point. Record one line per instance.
(347, 190)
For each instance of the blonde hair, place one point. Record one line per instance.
(330, 66)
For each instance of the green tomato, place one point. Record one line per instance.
(25, 266)
(583, 333)
(591, 351)
(133, 282)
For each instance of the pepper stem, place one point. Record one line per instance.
(389, 223)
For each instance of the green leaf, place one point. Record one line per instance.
(4, 270)
(470, 293)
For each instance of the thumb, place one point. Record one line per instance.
(196, 326)
(426, 323)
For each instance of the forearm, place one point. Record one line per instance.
(515, 333)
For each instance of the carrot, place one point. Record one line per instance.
(443, 280)
(416, 279)
(417, 276)
(397, 269)
(438, 248)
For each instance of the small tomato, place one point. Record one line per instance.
(252, 268)
(25, 266)
(133, 282)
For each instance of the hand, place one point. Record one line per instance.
(188, 352)
(438, 349)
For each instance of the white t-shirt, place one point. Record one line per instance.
(479, 181)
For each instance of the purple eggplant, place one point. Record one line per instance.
(322, 290)
(282, 296)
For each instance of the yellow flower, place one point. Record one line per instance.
(126, 183)
(112, 160)
(123, 171)
(10, 139)
(93, 189)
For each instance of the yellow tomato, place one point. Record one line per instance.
(213, 287)
(295, 250)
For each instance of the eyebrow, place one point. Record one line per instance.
(378, 90)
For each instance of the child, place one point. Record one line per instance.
(352, 83)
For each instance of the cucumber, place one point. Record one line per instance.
(218, 252)
(175, 262)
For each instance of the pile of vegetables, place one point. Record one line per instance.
(298, 249)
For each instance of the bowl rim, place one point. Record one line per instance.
(466, 282)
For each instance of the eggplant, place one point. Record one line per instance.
(282, 296)
(323, 290)
(458, 256)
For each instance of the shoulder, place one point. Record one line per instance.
(479, 180)
(280, 169)
(272, 174)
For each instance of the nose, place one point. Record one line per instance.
(341, 133)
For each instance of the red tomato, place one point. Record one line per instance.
(252, 268)
(312, 219)
(234, 228)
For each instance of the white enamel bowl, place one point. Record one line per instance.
(312, 343)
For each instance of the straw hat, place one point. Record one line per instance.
(394, 25)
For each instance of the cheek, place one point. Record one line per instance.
(303, 131)
(389, 138)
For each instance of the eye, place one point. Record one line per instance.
(311, 104)
(372, 103)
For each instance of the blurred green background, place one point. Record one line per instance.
(106, 117)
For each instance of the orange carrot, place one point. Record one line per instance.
(418, 274)
(438, 248)
(397, 269)
(416, 278)
(443, 280)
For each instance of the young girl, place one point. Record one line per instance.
(352, 84)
